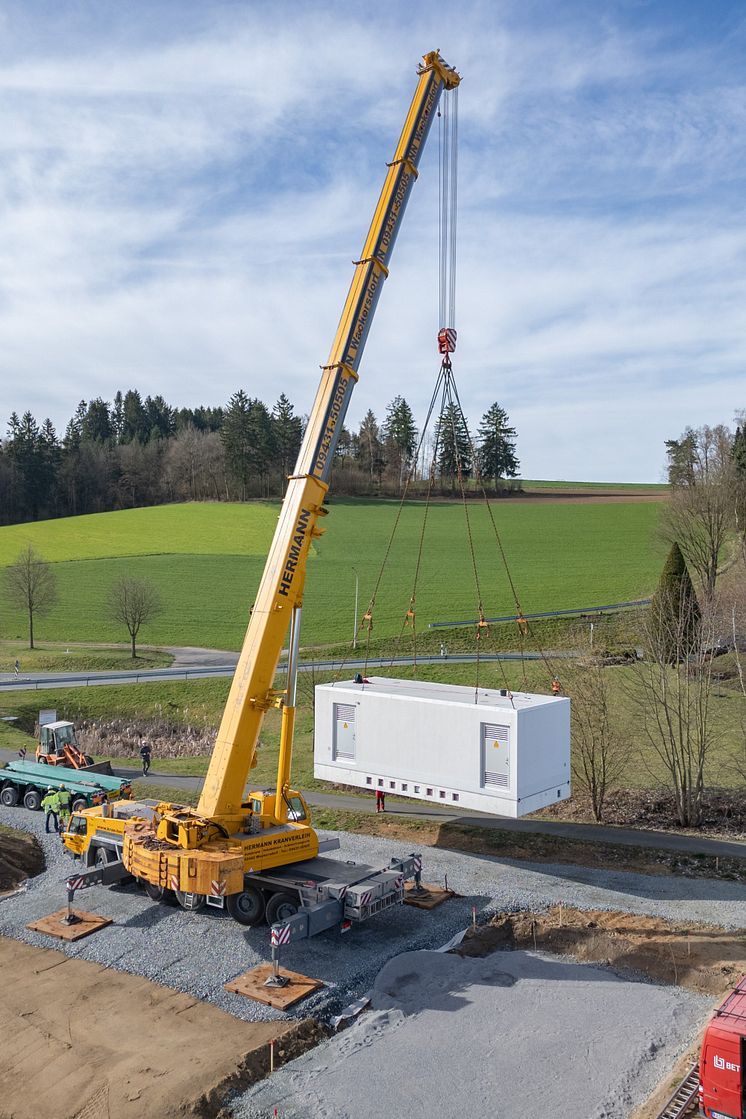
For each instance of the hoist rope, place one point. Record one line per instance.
(447, 204)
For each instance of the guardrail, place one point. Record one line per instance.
(580, 610)
(155, 675)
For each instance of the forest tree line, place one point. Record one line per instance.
(135, 452)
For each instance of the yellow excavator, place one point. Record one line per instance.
(232, 848)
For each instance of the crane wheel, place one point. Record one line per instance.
(247, 907)
(280, 907)
(79, 804)
(191, 902)
(160, 893)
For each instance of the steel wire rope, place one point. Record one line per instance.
(411, 611)
(368, 616)
(524, 626)
(455, 406)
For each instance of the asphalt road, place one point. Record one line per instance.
(33, 681)
(587, 833)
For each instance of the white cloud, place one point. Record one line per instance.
(180, 216)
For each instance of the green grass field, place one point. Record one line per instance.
(537, 486)
(201, 703)
(76, 658)
(206, 560)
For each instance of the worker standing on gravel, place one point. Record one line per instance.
(51, 806)
(145, 754)
(63, 799)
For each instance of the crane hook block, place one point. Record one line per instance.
(446, 340)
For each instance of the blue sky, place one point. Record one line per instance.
(183, 187)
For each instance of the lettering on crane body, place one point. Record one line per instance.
(291, 560)
(388, 233)
(361, 322)
(335, 410)
(423, 122)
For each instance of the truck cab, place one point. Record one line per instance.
(722, 1085)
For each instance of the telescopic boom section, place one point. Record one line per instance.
(281, 587)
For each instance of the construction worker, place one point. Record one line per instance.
(51, 806)
(145, 753)
(63, 798)
(380, 800)
(556, 686)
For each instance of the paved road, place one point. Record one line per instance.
(588, 833)
(35, 680)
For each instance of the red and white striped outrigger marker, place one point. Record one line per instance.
(417, 864)
(174, 882)
(446, 340)
(218, 888)
(279, 936)
(78, 883)
(366, 898)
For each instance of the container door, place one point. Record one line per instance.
(344, 731)
(495, 756)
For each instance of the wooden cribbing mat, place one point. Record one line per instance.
(251, 984)
(86, 924)
(434, 895)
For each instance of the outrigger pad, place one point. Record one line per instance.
(252, 985)
(428, 898)
(54, 924)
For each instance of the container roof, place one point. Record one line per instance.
(445, 693)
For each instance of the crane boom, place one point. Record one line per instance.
(281, 588)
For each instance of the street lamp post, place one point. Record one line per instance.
(354, 620)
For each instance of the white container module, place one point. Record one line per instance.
(507, 754)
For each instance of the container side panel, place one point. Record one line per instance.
(458, 755)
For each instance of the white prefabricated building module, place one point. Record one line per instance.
(506, 753)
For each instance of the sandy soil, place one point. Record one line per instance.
(701, 958)
(20, 857)
(101, 1044)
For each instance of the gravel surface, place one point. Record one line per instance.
(199, 952)
(515, 1034)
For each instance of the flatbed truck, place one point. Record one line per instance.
(25, 782)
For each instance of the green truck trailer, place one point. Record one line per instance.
(26, 783)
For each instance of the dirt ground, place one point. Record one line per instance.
(702, 958)
(20, 857)
(102, 1044)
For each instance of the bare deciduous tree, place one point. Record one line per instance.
(671, 697)
(599, 755)
(31, 585)
(702, 508)
(133, 602)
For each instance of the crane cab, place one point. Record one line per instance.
(261, 805)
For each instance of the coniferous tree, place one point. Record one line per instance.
(453, 444)
(400, 437)
(496, 445)
(236, 439)
(287, 430)
(674, 610)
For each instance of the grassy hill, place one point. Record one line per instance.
(207, 560)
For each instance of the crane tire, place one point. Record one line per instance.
(247, 907)
(191, 902)
(78, 804)
(159, 893)
(280, 907)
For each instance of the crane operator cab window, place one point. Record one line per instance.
(78, 825)
(296, 809)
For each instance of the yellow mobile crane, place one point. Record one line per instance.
(230, 847)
